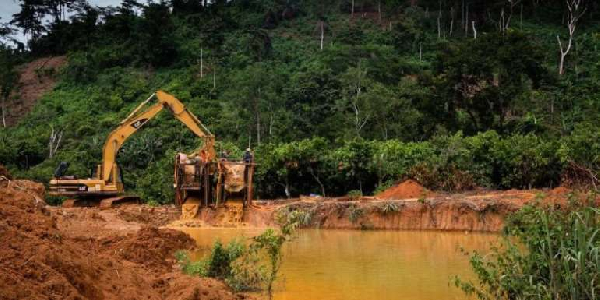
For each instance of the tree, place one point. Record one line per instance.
(8, 77)
(576, 9)
(30, 17)
(482, 88)
(354, 81)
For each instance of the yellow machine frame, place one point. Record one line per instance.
(107, 180)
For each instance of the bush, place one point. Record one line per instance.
(388, 208)
(217, 264)
(355, 213)
(244, 267)
(545, 254)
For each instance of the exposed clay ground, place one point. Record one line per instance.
(481, 210)
(121, 253)
(36, 78)
(54, 253)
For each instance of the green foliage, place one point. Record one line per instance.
(355, 213)
(546, 254)
(382, 101)
(246, 267)
(354, 194)
(288, 215)
(217, 264)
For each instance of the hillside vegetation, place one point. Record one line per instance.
(333, 96)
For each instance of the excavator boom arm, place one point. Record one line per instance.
(138, 118)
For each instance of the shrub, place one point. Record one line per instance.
(354, 194)
(355, 213)
(545, 254)
(388, 208)
(288, 215)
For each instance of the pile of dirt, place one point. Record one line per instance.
(39, 261)
(558, 191)
(405, 190)
(36, 78)
(152, 216)
(150, 246)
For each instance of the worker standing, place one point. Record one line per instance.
(248, 157)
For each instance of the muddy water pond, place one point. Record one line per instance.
(339, 264)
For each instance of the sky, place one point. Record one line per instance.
(11, 7)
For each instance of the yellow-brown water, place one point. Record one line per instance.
(337, 264)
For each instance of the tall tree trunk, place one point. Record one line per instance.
(462, 14)
(576, 10)
(439, 20)
(201, 63)
(353, 8)
(521, 16)
(467, 21)
(379, 10)
(214, 77)
(451, 21)
(257, 118)
(4, 112)
(322, 34)
(474, 30)
(314, 175)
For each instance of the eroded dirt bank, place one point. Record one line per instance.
(46, 254)
(483, 211)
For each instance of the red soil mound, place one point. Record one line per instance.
(559, 191)
(405, 190)
(38, 261)
(150, 246)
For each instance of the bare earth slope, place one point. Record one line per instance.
(40, 261)
(36, 78)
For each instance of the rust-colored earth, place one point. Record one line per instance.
(404, 190)
(43, 257)
(36, 78)
(122, 252)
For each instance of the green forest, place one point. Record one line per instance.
(334, 97)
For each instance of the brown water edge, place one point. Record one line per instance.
(351, 264)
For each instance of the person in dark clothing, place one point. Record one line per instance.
(248, 158)
(224, 155)
(61, 169)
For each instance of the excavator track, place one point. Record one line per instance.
(102, 204)
(110, 202)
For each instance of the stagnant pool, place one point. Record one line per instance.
(340, 264)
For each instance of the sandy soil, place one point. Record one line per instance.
(54, 253)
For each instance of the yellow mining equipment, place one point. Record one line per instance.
(107, 183)
(219, 190)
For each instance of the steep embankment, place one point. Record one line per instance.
(35, 79)
(40, 261)
(407, 206)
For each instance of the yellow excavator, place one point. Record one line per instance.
(107, 184)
